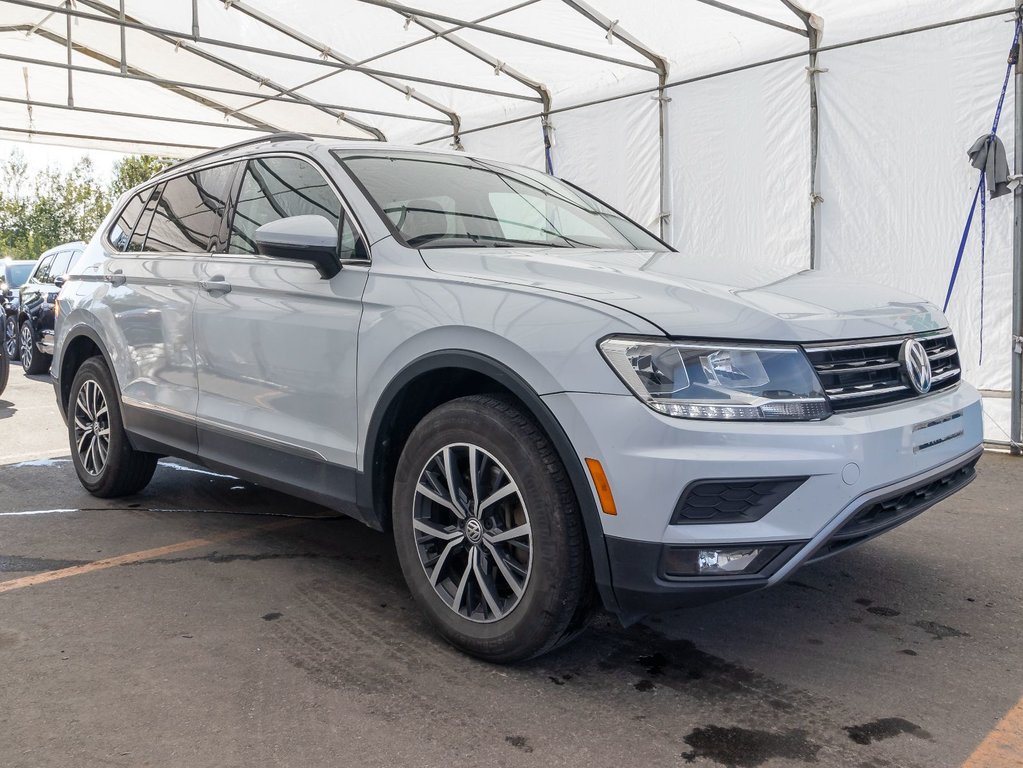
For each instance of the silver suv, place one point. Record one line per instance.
(547, 405)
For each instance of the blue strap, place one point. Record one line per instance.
(547, 150)
(983, 197)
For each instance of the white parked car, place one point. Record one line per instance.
(541, 399)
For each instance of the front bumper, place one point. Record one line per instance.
(641, 585)
(849, 461)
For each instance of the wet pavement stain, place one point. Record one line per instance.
(885, 728)
(272, 616)
(644, 686)
(748, 748)
(939, 631)
(519, 742)
(654, 663)
(14, 563)
(908, 652)
(216, 557)
(863, 601)
(880, 610)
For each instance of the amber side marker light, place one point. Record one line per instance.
(607, 500)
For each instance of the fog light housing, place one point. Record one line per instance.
(719, 561)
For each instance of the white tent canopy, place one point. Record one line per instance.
(772, 135)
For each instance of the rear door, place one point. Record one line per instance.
(163, 241)
(276, 343)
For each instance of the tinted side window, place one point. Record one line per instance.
(138, 237)
(121, 231)
(276, 187)
(60, 265)
(188, 213)
(43, 270)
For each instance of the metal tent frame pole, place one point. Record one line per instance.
(1015, 429)
(812, 71)
(660, 63)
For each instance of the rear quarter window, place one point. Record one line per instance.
(120, 232)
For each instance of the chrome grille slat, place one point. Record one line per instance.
(864, 392)
(868, 372)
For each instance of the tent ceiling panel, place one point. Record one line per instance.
(845, 21)
(706, 39)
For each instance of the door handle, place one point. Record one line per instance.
(215, 286)
(116, 277)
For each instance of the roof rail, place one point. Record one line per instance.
(267, 138)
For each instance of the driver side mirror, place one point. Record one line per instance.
(59, 280)
(301, 238)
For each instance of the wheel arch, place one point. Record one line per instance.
(81, 344)
(445, 375)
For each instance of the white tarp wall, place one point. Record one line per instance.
(896, 115)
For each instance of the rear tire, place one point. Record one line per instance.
(505, 579)
(11, 342)
(106, 464)
(32, 360)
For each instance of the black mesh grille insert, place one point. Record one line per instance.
(887, 513)
(861, 374)
(732, 501)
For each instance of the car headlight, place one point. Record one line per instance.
(719, 381)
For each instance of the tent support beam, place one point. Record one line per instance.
(224, 64)
(754, 16)
(327, 51)
(176, 35)
(813, 35)
(1016, 352)
(177, 85)
(124, 48)
(409, 11)
(661, 67)
(384, 54)
(70, 72)
(94, 137)
(130, 73)
(499, 66)
(32, 103)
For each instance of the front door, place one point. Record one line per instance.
(276, 344)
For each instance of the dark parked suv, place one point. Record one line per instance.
(35, 310)
(13, 275)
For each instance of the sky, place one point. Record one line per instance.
(40, 156)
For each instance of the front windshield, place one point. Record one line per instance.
(446, 201)
(17, 274)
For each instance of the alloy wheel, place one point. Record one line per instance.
(92, 427)
(27, 347)
(11, 337)
(472, 533)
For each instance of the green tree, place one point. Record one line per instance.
(135, 169)
(41, 210)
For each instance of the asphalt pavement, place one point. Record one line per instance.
(209, 622)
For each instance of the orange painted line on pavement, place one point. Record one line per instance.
(1003, 747)
(134, 557)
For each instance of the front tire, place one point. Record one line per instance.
(106, 464)
(5, 369)
(32, 360)
(488, 530)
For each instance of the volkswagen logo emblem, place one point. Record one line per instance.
(473, 530)
(916, 365)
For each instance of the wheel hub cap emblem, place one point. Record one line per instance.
(473, 530)
(917, 365)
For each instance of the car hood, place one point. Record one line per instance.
(687, 296)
